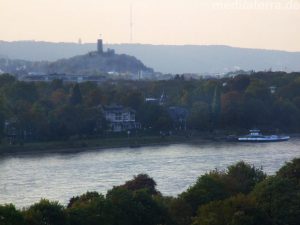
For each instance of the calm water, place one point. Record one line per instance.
(24, 179)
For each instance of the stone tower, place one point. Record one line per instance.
(100, 46)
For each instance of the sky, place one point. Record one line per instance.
(266, 24)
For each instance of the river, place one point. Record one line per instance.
(26, 178)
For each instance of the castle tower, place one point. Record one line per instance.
(100, 46)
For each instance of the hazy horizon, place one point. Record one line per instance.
(264, 24)
(127, 43)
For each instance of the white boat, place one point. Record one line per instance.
(256, 136)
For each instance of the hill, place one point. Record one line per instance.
(165, 58)
(93, 62)
(87, 64)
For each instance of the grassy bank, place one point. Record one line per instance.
(80, 145)
(90, 144)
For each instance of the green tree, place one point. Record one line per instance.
(21, 91)
(56, 84)
(237, 210)
(291, 170)
(140, 182)
(180, 211)
(242, 178)
(45, 213)
(258, 89)
(231, 108)
(199, 116)
(239, 83)
(94, 98)
(143, 208)
(133, 99)
(6, 79)
(58, 97)
(216, 107)
(76, 97)
(89, 209)
(208, 187)
(9, 215)
(279, 198)
(286, 114)
(2, 120)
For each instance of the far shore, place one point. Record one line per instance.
(98, 144)
(82, 145)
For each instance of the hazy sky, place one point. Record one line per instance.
(244, 23)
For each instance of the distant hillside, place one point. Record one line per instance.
(88, 64)
(94, 62)
(165, 58)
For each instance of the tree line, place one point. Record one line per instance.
(53, 111)
(240, 195)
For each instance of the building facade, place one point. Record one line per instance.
(120, 118)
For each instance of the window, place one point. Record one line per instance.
(125, 117)
(118, 116)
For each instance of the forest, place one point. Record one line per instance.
(240, 195)
(47, 111)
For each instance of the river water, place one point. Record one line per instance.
(25, 179)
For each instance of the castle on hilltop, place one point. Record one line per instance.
(100, 46)
(100, 50)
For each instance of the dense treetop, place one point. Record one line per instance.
(57, 110)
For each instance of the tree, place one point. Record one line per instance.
(10, 216)
(216, 107)
(279, 198)
(255, 112)
(66, 120)
(237, 210)
(286, 114)
(58, 97)
(208, 187)
(56, 84)
(133, 99)
(199, 116)
(143, 208)
(83, 199)
(76, 98)
(6, 79)
(21, 91)
(239, 83)
(180, 211)
(258, 89)
(279, 195)
(89, 209)
(155, 117)
(142, 181)
(94, 98)
(242, 178)
(2, 120)
(45, 213)
(231, 106)
(291, 170)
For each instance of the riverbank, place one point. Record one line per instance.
(81, 145)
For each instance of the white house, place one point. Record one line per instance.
(120, 118)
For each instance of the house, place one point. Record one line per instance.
(14, 131)
(120, 118)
